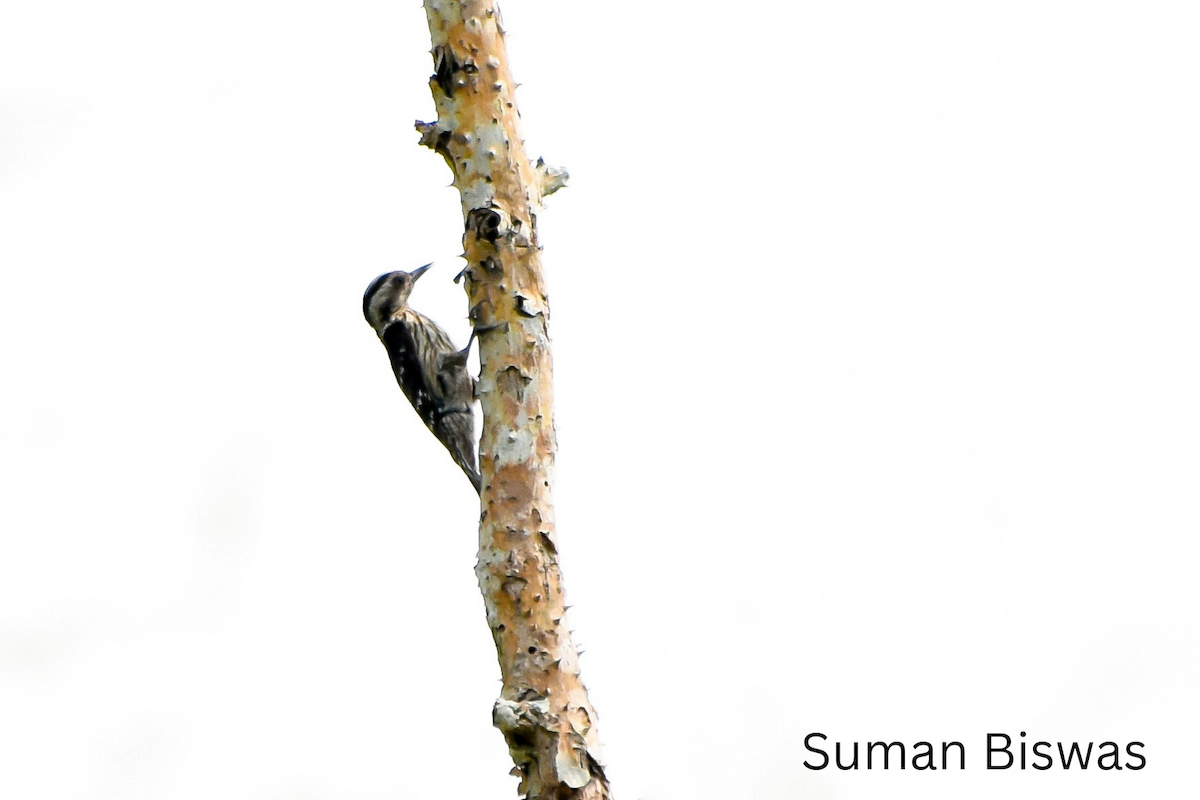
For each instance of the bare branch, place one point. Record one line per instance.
(543, 710)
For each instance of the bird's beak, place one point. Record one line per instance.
(416, 273)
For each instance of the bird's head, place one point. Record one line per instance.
(388, 294)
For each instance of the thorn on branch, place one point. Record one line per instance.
(550, 179)
(529, 307)
(435, 138)
(475, 313)
(479, 330)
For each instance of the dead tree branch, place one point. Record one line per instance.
(543, 709)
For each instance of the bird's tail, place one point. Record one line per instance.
(456, 430)
(476, 478)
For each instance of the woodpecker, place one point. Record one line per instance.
(431, 371)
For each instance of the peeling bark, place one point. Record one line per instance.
(543, 710)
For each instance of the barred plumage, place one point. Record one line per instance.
(431, 371)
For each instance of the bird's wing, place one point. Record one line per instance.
(408, 339)
(402, 352)
(417, 347)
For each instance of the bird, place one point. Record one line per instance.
(431, 371)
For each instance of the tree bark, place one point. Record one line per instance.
(543, 710)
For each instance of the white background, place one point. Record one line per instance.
(875, 335)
